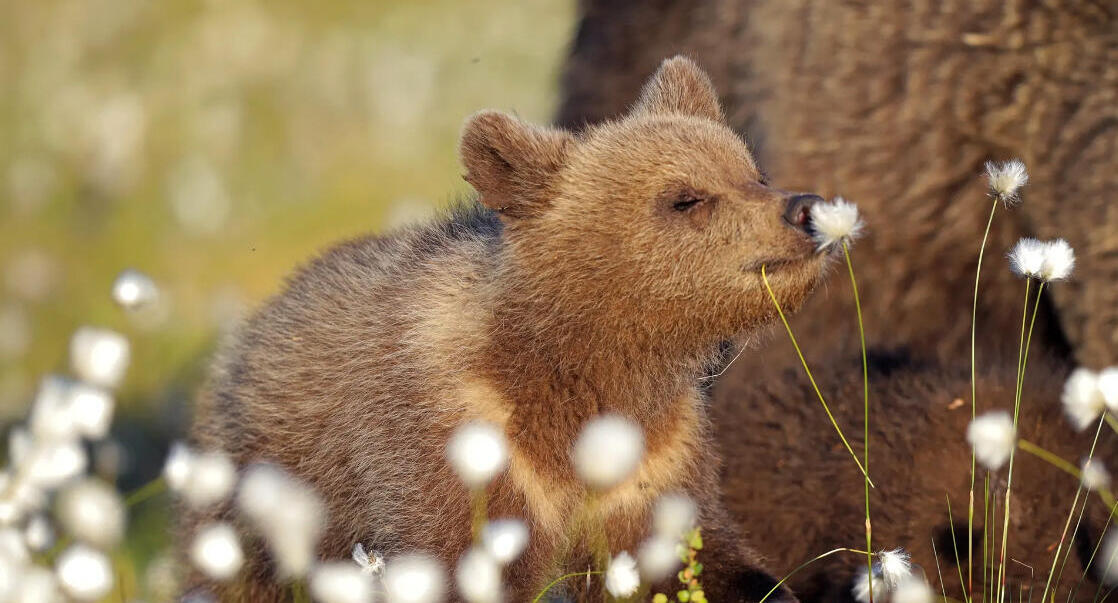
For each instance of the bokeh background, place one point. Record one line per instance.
(214, 145)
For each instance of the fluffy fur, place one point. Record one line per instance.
(596, 273)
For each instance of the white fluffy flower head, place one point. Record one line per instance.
(133, 289)
(1006, 179)
(477, 452)
(1094, 475)
(287, 512)
(1059, 261)
(622, 578)
(1108, 387)
(85, 574)
(504, 539)
(340, 583)
(371, 565)
(217, 552)
(895, 566)
(1027, 258)
(861, 588)
(993, 437)
(835, 222)
(210, 480)
(608, 451)
(658, 557)
(93, 512)
(1082, 399)
(99, 356)
(673, 516)
(478, 577)
(912, 589)
(414, 578)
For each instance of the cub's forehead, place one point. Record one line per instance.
(668, 145)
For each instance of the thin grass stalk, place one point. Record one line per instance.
(955, 547)
(985, 524)
(587, 573)
(935, 555)
(1023, 358)
(974, 402)
(1090, 457)
(811, 377)
(866, 409)
(805, 564)
(1087, 566)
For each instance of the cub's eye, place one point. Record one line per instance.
(686, 203)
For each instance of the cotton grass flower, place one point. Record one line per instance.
(834, 223)
(414, 578)
(504, 539)
(50, 464)
(993, 437)
(99, 356)
(1108, 387)
(896, 565)
(1006, 179)
(91, 410)
(84, 573)
(1059, 261)
(1094, 475)
(477, 452)
(177, 467)
(1026, 259)
(92, 512)
(658, 558)
(217, 552)
(673, 516)
(1108, 555)
(287, 512)
(340, 583)
(210, 480)
(38, 533)
(1082, 398)
(37, 585)
(912, 589)
(133, 290)
(622, 578)
(861, 588)
(370, 565)
(608, 451)
(478, 577)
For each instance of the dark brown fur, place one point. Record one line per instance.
(574, 287)
(797, 493)
(896, 105)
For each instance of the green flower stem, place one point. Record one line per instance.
(543, 592)
(811, 377)
(149, 490)
(802, 566)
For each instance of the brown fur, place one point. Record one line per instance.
(574, 287)
(896, 104)
(797, 493)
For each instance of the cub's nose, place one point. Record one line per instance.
(797, 211)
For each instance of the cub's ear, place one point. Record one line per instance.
(512, 164)
(680, 86)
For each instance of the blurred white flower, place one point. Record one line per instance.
(835, 222)
(608, 451)
(1108, 387)
(912, 589)
(217, 552)
(92, 512)
(504, 539)
(659, 557)
(85, 574)
(340, 583)
(1108, 555)
(1027, 258)
(673, 516)
(287, 512)
(992, 436)
(51, 418)
(210, 480)
(477, 451)
(622, 579)
(99, 356)
(50, 464)
(861, 588)
(1082, 398)
(115, 131)
(1059, 260)
(12, 546)
(1006, 179)
(36, 585)
(91, 410)
(478, 577)
(370, 565)
(133, 289)
(1094, 475)
(414, 578)
(177, 468)
(38, 533)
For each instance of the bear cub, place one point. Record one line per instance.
(594, 273)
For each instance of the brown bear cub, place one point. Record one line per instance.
(596, 273)
(779, 444)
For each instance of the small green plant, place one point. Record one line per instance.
(692, 591)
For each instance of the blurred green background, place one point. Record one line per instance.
(214, 145)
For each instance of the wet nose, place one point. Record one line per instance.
(797, 211)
